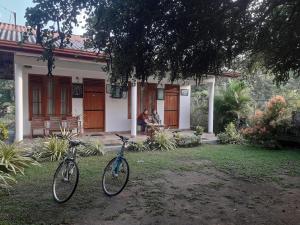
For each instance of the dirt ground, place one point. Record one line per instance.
(205, 197)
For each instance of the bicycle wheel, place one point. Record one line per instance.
(114, 180)
(65, 181)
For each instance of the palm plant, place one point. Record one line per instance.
(162, 140)
(6, 179)
(54, 149)
(12, 160)
(231, 104)
(94, 147)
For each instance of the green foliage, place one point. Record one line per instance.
(66, 134)
(162, 140)
(230, 135)
(152, 37)
(144, 34)
(199, 106)
(5, 180)
(276, 38)
(3, 132)
(138, 146)
(11, 159)
(92, 148)
(187, 141)
(199, 130)
(231, 103)
(53, 148)
(12, 162)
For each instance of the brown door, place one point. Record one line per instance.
(94, 104)
(171, 117)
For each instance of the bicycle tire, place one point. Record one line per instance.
(58, 170)
(108, 170)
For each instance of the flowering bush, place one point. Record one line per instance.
(266, 125)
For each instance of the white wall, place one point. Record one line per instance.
(185, 109)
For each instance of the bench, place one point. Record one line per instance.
(73, 122)
(54, 124)
(38, 123)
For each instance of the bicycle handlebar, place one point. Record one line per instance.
(123, 138)
(71, 142)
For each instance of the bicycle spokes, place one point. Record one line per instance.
(115, 176)
(65, 181)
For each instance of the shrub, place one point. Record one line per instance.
(54, 149)
(199, 130)
(266, 125)
(231, 103)
(12, 160)
(5, 180)
(230, 135)
(92, 148)
(162, 140)
(67, 134)
(188, 141)
(138, 146)
(3, 132)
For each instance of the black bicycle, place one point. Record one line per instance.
(116, 173)
(67, 174)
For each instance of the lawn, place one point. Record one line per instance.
(211, 184)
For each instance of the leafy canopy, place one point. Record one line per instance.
(184, 39)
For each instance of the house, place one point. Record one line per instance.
(81, 88)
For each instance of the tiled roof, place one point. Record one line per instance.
(10, 32)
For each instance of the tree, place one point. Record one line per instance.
(182, 38)
(231, 103)
(186, 39)
(277, 38)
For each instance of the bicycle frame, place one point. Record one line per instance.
(117, 162)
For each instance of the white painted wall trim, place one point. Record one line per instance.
(211, 94)
(19, 102)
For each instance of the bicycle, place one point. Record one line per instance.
(116, 172)
(66, 176)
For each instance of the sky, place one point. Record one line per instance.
(19, 6)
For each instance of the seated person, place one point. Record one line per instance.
(143, 120)
(155, 117)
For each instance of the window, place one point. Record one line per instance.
(65, 98)
(49, 96)
(146, 97)
(36, 100)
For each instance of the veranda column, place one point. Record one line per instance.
(211, 94)
(19, 102)
(133, 107)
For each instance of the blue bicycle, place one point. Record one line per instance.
(116, 173)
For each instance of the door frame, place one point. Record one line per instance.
(104, 111)
(178, 100)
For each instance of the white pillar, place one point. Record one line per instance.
(211, 94)
(133, 108)
(19, 102)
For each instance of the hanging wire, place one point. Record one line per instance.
(10, 14)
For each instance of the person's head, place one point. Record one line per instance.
(145, 111)
(154, 111)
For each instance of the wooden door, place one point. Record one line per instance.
(171, 117)
(147, 98)
(94, 105)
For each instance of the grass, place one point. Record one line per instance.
(33, 191)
